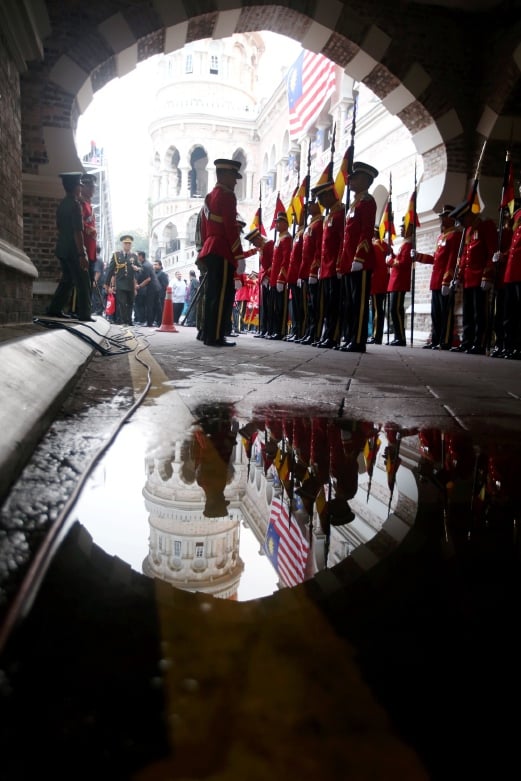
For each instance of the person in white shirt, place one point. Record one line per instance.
(178, 295)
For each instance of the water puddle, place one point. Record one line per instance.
(240, 509)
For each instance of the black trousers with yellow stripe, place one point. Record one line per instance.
(219, 297)
(360, 284)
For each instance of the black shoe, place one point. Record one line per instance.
(497, 352)
(398, 343)
(459, 349)
(275, 337)
(220, 343)
(476, 350)
(59, 315)
(429, 346)
(263, 335)
(353, 347)
(327, 344)
(307, 340)
(370, 340)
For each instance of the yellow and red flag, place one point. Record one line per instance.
(411, 215)
(296, 206)
(508, 193)
(342, 177)
(386, 228)
(279, 207)
(257, 222)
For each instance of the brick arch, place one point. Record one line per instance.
(123, 40)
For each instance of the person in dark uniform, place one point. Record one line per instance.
(356, 261)
(122, 269)
(147, 290)
(162, 278)
(70, 251)
(221, 255)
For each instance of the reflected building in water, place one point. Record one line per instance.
(313, 491)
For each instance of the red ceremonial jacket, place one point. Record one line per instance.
(295, 258)
(332, 236)
(380, 275)
(311, 248)
(90, 234)
(476, 260)
(400, 265)
(444, 259)
(281, 253)
(358, 234)
(219, 230)
(513, 266)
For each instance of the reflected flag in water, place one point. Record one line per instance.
(286, 546)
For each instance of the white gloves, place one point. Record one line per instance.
(241, 266)
(496, 257)
(338, 275)
(389, 259)
(445, 290)
(356, 266)
(413, 254)
(237, 283)
(265, 282)
(486, 285)
(280, 287)
(312, 280)
(299, 283)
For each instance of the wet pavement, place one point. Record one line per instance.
(395, 657)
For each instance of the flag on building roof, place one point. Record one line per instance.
(310, 82)
(279, 207)
(411, 215)
(286, 545)
(257, 222)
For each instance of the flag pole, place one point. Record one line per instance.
(351, 151)
(413, 274)
(390, 217)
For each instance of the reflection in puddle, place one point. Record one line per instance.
(237, 510)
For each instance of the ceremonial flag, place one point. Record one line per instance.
(386, 228)
(342, 177)
(285, 545)
(508, 193)
(297, 201)
(279, 207)
(281, 463)
(310, 82)
(411, 215)
(257, 222)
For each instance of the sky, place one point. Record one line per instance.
(118, 118)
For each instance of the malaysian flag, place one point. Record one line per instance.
(285, 545)
(310, 82)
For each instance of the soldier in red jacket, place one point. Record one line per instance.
(400, 284)
(443, 264)
(278, 280)
(356, 260)
(221, 256)
(476, 275)
(512, 290)
(379, 282)
(294, 289)
(332, 235)
(309, 270)
(265, 249)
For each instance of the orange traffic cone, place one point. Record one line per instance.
(167, 322)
